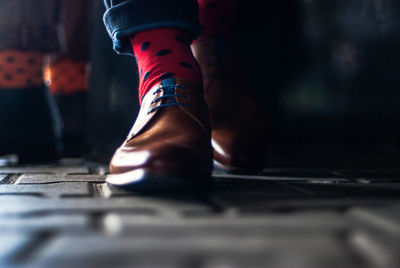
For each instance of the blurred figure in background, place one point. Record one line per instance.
(38, 37)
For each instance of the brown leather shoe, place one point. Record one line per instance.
(169, 144)
(237, 123)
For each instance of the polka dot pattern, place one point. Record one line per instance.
(66, 77)
(145, 45)
(20, 69)
(166, 76)
(146, 76)
(163, 53)
(185, 64)
(31, 61)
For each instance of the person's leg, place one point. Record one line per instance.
(238, 127)
(169, 144)
(67, 81)
(67, 73)
(67, 68)
(24, 38)
(31, 124)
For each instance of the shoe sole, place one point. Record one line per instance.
(139, 180)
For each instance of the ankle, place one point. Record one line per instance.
(163, 53)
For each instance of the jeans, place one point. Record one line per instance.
(123, 18)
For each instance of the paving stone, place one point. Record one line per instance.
(51, 169)
(384, 217)
(379, 250)
(50, 178)
(281, 218)
(260, 196)
(258, 203)
(326, 181)
(64, 222)
(26, 205)
(48, 190)
(372, 174)
(220, 177)
(109, 191)
(99, 170)
(119, 261)
(302, 250)
(212, 225)
(255, 187)
(2, 177)
(299, 172)
(385, 190)
(9, 244)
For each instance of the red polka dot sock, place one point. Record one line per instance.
(217, 16)
(66, 76)
(20, 69)
(162, 53)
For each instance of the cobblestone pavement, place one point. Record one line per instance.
(66, 216)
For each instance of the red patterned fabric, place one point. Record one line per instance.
(162, 53)
(20, 69)
(66, 77)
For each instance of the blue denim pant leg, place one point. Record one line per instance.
(123, 18)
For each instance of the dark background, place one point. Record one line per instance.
(326, 73)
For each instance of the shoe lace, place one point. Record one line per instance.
(169, 97)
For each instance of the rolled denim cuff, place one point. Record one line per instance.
(124, 19)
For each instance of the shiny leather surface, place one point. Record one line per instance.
(238, 125)
(170, 142)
